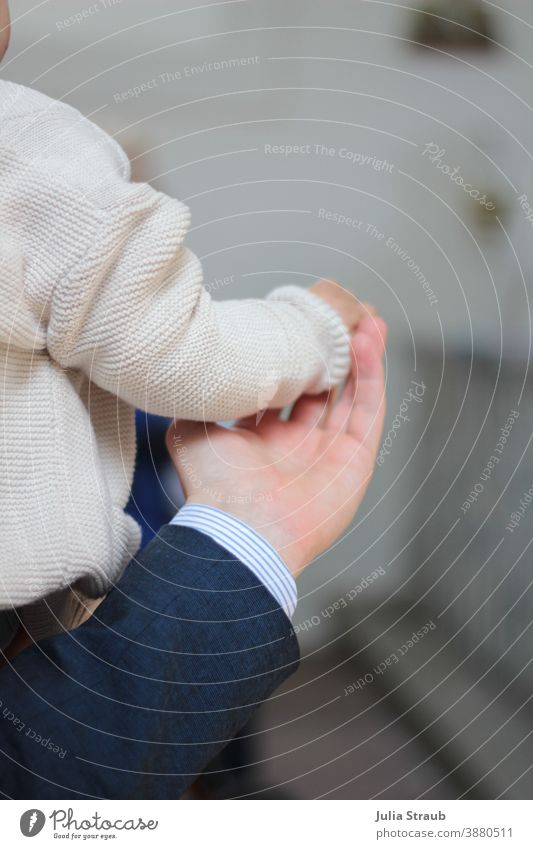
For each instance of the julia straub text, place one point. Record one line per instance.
(408, 815)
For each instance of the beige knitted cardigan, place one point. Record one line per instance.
(102, 310)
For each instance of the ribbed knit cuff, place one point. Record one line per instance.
(332, 333)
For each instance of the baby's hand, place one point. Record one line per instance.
(343, 302)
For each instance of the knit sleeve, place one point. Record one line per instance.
(135, 317)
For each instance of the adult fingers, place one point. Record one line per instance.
(310, 410)
(179, 433)
(376, 331)
(339, 414)
(376, 328)
(365, 421)
(368, 310)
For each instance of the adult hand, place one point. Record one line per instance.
(345, 304)
(298, 482)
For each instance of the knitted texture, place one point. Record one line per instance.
(102, 309)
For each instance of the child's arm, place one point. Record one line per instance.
(135, 317)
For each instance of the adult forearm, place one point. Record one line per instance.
(137, 701)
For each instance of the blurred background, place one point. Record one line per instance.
(387, 146)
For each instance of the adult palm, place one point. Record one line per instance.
(298, 482)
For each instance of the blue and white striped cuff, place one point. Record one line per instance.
(245, 545)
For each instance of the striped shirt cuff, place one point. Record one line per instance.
(245, 545)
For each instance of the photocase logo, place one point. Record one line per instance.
(32, 822)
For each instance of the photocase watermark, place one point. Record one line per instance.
(341, 603)
(36, 586)
(86, 13)
(391, 660)
(396, 249)
(29, 732)
(354, 157)
(68, 825)
(32, 822)
(369, 229)
(435, 153)
(65, 819)
(187, 72)
(219, 283)
(518, 514)
(414, 394)
(494, 459)
(188, 471)
(343, 220)
(526, 208)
